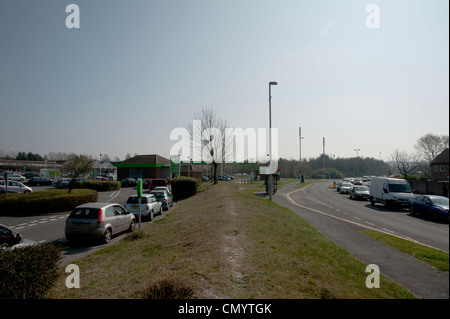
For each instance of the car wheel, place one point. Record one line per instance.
(26, 192)
(412, 211)
(161, 210)
(107, 236)
(132, 226)
(372, 202)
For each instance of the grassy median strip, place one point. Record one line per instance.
(225, 243)
(434, 257)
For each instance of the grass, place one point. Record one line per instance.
(434, 257)
(226, 242)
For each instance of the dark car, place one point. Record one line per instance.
(39, 181)
(164, 197)
(359, 192)
(430, 206)
(128, 182)
(9, 239)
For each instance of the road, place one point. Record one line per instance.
(342, 219)
(50, 227)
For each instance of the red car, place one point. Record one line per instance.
(155, 182)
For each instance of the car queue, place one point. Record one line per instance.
(395, 193)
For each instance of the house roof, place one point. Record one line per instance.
(144, 161)
(442, 158)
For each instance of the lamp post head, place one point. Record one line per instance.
(273, 83)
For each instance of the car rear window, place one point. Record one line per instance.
(159, 194)
(159, 182)
(134, 200)
(85, 213)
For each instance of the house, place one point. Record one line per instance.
(439, 167)
(143, 166)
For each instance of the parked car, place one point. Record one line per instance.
(390, 192)
(16, 177)
(61, 183)
(155, 182)
(359, 192)
(430, 206)
(10, 239)
(16, 186)
(30, 175)
(164, 197)
(345, 188)
(39, 181)
(98, 221)
(149, 206)
(163, 188)
(128, 182)
(338, 186)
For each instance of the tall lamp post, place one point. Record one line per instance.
(356, 160)
(270, 138)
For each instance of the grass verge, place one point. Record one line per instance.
(434, 257)
(226, 243)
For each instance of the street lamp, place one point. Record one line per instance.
(356, 161)
(270, 137)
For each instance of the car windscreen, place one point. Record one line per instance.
(361, 188)
(400, 188)
(85, 213)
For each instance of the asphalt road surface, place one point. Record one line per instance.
(50, 227)
(341, 220)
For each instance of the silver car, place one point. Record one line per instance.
(16, 187)
(98, 221)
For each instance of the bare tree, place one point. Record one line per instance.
(212, 137)
(77, 165)
(403, 163)
(429, 146)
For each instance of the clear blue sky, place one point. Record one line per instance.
(135, 70)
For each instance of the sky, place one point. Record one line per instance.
(136, 70)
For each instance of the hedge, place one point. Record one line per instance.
(99, 186)
(28, 272)
(184, 187)
(51, 201)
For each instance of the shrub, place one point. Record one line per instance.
(28, 272)
(167, 289)
(99, 186)
(52, 201)
(184, 187)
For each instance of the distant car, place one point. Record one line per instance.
(61, 183)
(16, 177)
(30, 175)
(359, 192)
(155, 182)
(128, 182)
(39, 181)
(10, 239)
(16, 186)
(98, 221)
(338, 186)
(149, 206)
(430, 206)
(164, 197)
(345, 188)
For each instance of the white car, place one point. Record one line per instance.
(16, 177)
(345, 188)
(149, 206)
(16, 186)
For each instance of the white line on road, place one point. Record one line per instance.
(383, 230)
(115, 195)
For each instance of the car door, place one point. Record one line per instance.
(122, 218)
(111, 218)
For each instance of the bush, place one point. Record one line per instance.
(99, 186)
(51, 201)
(28, 272)
(167, 289)
(184, 187)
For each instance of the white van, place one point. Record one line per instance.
(390, 192)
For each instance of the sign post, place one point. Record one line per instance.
(139, 193)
